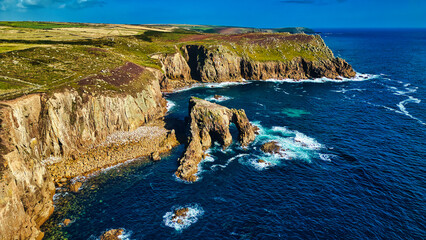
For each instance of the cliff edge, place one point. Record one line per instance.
(75, 105)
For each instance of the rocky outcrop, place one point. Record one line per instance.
(179, 215)
(271, 147)
(214, 64)
(175, 66)
(210, 122)
(113, 234)
(66, 134)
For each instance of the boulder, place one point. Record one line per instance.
(66, 222)
(155, 156)
(271, 147)
(113, 234)
(75, 186)
(179, 214)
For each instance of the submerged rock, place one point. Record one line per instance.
(261, 161)
(271, 147)
(210, 122)
(217, 97)
(66, 222)
(113, 234)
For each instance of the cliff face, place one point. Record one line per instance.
(210, 122)
(221, 62)
(110, 115)
(69, 133)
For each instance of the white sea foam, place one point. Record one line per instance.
(306, 141)
(229, 161)
(96, 173)
(326, 157)
(343, 90)
(219, 99)
(358, 77)
(401, 106)
(170, 105)
(194, 213)
(294, 146)
(59, 195)
(408, 88)
(213, 85)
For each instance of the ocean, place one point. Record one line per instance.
(353, 167)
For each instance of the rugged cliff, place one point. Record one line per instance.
(254, 57)
(66, 134)
(92, 103)
(210, 122)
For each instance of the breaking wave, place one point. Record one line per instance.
(194, 213)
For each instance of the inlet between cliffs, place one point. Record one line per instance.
(350, 164)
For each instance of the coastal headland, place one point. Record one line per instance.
(76, 98)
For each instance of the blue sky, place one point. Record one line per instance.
(263, 13)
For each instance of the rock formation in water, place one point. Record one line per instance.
(210, 122)
(113, 234)
(271, 147)
(101, 119)
(179, 215)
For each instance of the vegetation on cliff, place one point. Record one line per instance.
(41, 57)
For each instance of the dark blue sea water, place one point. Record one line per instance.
(354, 166)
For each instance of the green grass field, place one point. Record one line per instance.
(41, 56)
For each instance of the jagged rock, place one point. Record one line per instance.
(210, 122)
(175, 66)
(256, 130)
(218, 64)
(155, 156)
(75, 186)
(179, 214)
(271, 147)
(217, 97)
(113, 234)
(65, 134)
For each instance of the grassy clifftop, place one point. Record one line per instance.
(40, 57)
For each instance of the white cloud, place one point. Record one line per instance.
(28, 4)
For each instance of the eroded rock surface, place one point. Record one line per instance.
(219, 63)
(65, 134)
(271, 147)
(179, 215)
(113, 234)
(210, 122)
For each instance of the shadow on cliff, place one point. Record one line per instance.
(180, 126)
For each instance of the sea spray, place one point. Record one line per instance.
(195, 211)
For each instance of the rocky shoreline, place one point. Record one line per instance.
(49, 138)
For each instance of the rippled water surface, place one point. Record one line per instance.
(353, 165)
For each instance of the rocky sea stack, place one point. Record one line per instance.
(72, 107)
(210, 122)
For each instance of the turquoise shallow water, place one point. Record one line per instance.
(353, 167)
